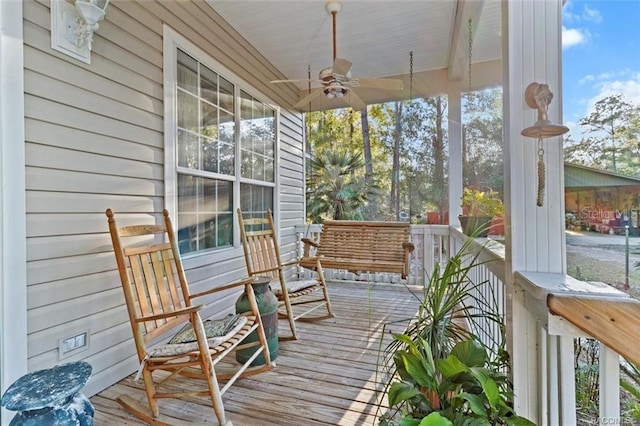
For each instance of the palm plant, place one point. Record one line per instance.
(419, 362)
(334, 189)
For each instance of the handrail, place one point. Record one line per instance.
(599, 310)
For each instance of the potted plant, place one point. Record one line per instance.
(438, 372)
(479, 208)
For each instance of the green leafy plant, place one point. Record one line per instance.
(335, 190)
(439, 373)
(630, 382)
(481, 203)
(462, 388)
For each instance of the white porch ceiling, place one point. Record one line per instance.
(375, 35)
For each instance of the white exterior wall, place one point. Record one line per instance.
(94, 139)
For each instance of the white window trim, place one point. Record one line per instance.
(171, 41)
(13, 234)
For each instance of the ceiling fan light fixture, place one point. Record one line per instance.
(335, 91)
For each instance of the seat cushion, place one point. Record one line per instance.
(292, 286)
(218, 331)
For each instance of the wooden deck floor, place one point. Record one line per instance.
(327, 377)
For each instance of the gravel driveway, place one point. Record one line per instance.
(600, 257)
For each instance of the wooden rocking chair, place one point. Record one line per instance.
(158, 300)
(262, 256)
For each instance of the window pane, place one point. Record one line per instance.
(187, 111)
(227, 159)
(187, 73)
(208, 85)
(204, 213)
(270, 132)
(257, 139)
(255, 200)
(209, 120)
(225, 197)
(209, 155)
(188, 150)
(227, 127)
(226, 95)
(245, 120)
(269, 173)
(245, 164)
(258, 167)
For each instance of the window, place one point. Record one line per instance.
(224, 153)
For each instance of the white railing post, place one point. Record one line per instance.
(553, 380)
(609, 385)
(567, 378)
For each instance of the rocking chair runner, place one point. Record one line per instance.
(158, 300)
(262, 256)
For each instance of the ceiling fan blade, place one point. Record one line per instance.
(341, 66)
(354, 101)
(311, 96)
(301, 80)
(381, 83)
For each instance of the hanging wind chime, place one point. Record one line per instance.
(538, 96)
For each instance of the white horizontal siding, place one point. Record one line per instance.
(94, 139)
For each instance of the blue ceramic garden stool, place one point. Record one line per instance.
(51, 397)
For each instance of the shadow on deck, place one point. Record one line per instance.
(327, 377)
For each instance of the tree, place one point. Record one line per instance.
(337, 192)
(613, 128)
(482, 139)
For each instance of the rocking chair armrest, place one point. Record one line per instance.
(408, 246)
(310, 262)
(310, 242)
(169, 314)
(240, 283)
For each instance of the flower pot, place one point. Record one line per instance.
(497, 226)
(433, 218)
(475, 226)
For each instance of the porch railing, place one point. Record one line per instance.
(549, 359)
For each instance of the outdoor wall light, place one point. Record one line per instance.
(538, 96)
(73, 25)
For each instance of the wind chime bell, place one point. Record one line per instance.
(538, 96)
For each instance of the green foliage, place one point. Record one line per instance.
(422, 157)
(630, 382)
(611, 132)
(481, 203)
(482, 138)
(334, 191)
(462, 388)
(440, 374)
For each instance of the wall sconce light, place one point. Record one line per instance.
(73, 25)
(538, 96)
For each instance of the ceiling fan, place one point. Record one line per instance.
(337, 81)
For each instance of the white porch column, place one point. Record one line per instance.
(531, 34)
(13, 274)
(454, 117)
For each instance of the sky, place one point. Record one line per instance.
(600, 55)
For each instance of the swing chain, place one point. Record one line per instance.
(411, 75)
(470, 51)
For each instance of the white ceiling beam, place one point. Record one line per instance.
(459, 48)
